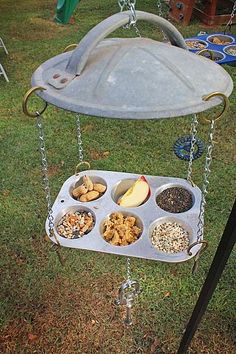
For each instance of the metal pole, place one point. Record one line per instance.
(218, 264)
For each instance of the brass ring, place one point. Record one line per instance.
(70, 46)
(204, 245)
(206, 51)
(25, 101)
(224, 99)
(77, 169)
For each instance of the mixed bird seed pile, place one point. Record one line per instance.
(75, 225)
(196, 44)
(175, 200)
(170, 237)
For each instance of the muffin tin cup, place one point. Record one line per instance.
(147, 214)
(228, 47)
(214, 55)
(79, 182)
(200, 41)
(222, 37)
(138, 223)
(172, 219)
(121, 187)
(172, 185)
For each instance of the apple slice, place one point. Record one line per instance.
(136, 194)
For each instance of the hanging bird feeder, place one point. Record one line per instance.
(152, 217)
(135, 78)
(129, 78)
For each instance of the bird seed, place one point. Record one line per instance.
(170, 237)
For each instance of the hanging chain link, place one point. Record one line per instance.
(129, 284)
(44, 163)
(128, 269)
(206, 175)
(160, 13)
(230, 22)
(193, 133)
(130, 5)
(79, 139)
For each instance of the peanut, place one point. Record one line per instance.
(89, 196)
(83, 198)
(88, 183)
(99, 187)
(77, 192)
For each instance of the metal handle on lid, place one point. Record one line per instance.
(80, 55)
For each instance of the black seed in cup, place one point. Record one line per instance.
(175, 200)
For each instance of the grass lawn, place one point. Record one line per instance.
(47, 308)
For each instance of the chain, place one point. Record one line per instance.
(194, 125)
(207, 172)
(206, 175)
(130, 5)
(160, 13)
(79, 139)
(45, 175)
(159, 6)
(230, 22)
(128, 269)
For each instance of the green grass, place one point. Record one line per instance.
(57, 305)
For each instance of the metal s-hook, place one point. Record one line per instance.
(224, 99)
(25, 102)
(204, 245)
(77, 169)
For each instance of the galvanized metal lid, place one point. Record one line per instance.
(135, 78)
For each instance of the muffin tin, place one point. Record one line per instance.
(148, 214)
(219, 51)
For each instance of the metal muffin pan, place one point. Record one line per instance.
(147, 214)
(228, 59)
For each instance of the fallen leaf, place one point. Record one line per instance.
(32, 337)
(98, 155)
(106, 153)
(167, 294)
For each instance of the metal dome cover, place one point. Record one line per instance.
(136, 78)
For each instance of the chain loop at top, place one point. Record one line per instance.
(130, 5)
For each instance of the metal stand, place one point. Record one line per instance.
(2, 71)
(218, 264)
(3, 46)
